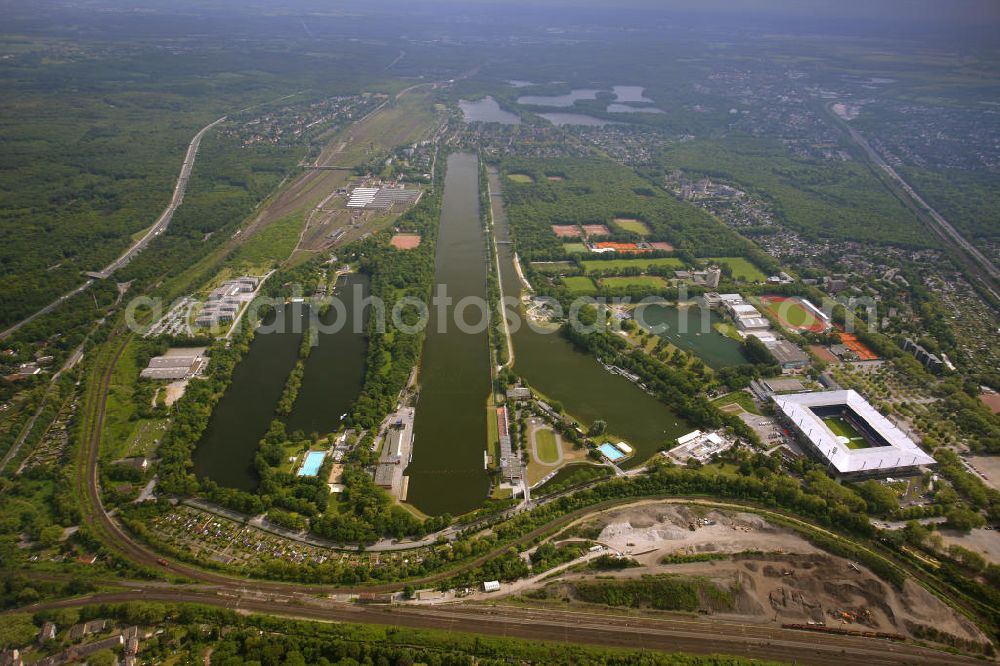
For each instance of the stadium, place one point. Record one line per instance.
(849, 435)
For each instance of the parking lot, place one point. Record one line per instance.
(769, 431)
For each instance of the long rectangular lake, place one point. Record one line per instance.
(335, 369)
(227, 448)
(447, 474)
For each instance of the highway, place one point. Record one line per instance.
(47, 309)
(138, 246)
(167, 215)
(943, 228)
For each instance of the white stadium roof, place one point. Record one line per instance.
(901, 451)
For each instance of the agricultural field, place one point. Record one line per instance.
(636, 263)
(579, 286)
(742, 268)
(653, 281)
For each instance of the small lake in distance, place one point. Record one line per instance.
(486, 110)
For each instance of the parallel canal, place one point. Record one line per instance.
(226, 451)
(587, 391)
(335, 368)
(447, 473)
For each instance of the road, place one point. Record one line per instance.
(167, 215)
(700, 635)
(158, 227)
(270, 597)
(934, 219)
(44, 311)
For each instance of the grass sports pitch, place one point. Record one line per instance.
(579, 285)
(653, 281)
(840, 427)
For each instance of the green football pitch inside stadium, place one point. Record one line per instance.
(839, 426)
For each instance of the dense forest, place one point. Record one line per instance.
(94, 136)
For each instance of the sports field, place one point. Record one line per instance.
(579, 286)
(520, 178)
(839, 426)
(851, 342)
(405, 241)
(575, 248)
(566, 230)
(632, 225)
(545, 440)
(553, 267)
(642, 264)
(596, 230)
(742, 268)
(634, 281)
(792, 314)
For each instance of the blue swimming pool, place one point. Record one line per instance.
(311, 465)
(610, 451)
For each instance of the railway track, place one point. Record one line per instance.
(678, 633)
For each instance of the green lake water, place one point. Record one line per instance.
(333, 377)
(335, 368)
(690, 328)
(447, 473)
(227, 448)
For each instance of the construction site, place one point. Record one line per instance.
(770, 574)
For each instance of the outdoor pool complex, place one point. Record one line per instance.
(611, 452)
(311, 465)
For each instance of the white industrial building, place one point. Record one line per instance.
(382, 198)
(699, 445)
(886, 451)
(174, 366)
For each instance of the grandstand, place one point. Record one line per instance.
(843, 430)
